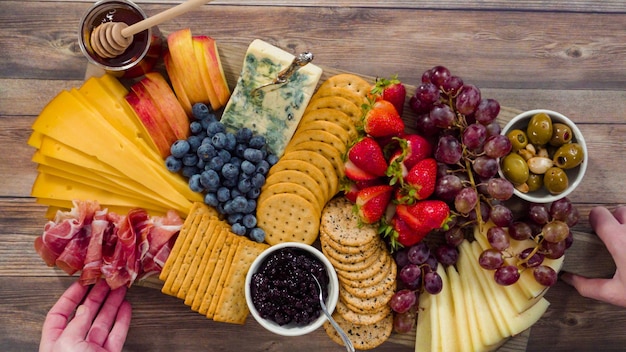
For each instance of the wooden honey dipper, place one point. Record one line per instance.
(111, 39)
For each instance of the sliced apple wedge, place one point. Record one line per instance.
(198, 48)
(181, 50)
(147, 113)
(177, 83)
(213, 64)
(165, 99)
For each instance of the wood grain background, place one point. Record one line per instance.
(568, 56)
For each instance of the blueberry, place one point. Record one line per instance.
(231, 142)
(257, 234)
(195, 127)
(236, 161)
(219, 140)
(206, 151)
(253, 155)
(240, 149)
(258, 180)
(224, 154)
(234, 218)
(231, 183)
(249, 221)
(262, 167)
(257, 142)
(250, 206)
(179, 148)
(190, 159)
(173, 164)
(194, 142)
(247, 167)
(200, 111)
(215, 127)
(223, 194)
(210, 199)
(216, 163)
(254, 193)
(194, 183)
(243, 135)
(230, 171)
(189, 171)
(238, 229)
(239, 204)
(210, 180)
(272, 159)
(244, 185)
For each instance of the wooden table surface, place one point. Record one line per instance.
(564, 55)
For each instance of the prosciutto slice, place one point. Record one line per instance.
(102, 244)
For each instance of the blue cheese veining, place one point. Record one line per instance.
(274, 111)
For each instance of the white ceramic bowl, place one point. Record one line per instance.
(574, 175)
(292, 329)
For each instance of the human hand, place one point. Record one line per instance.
(611, 228)
(100, 323)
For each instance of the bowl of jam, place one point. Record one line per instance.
(282, 294)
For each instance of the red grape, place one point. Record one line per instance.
(402, 301)
(491, 259)
(506, 275)
(545, 275)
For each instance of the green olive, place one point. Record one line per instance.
(518, 139)
(534, 182)
(555, 180)
(568, 156)
(539, 130)
(561, 134)
(515, 169)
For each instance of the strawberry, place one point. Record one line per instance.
(425, 215)
(354, 173)
(382, 120)
(367, 155)
(419, 182)
(391, 90)
(372, 202)
(401, 234)
(411, 149)
(350, 191)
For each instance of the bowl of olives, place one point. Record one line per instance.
(548, 158)
(282, 294)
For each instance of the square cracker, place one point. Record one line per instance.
(176, 258)
(220, 283)
(215, 276)
(210, 268)
(199, 262)
(232, 307)
(191, 253)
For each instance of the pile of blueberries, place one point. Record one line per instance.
(228, 168)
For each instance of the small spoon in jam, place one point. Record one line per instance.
(111, 39)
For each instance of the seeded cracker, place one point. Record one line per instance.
(361, 264)
(363, 337)
(345, 257)
(372, 317)
(376, 289)
(288, 217)
(326, 240)
(341, 224)
(373, 279)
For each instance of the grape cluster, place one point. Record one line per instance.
(417, 272)
(548, 226)
(228, 168)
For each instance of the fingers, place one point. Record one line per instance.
(86, 312)
(117, 336)
(58, 316)
(606, 290)
(106, 317)
(602, 220)
(620, 215)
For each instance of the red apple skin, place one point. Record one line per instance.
(165, 100)
(145, 112)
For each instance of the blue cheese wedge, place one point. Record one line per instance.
(273, 111)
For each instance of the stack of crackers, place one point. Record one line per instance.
(208, 265)
(366, 272)
(307, 176)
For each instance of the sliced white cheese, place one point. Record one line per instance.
(448, 335)
(461, 325)
(423, 330)
(276, 110)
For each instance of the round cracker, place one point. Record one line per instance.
(309, 169)
(328, 151)
(357, 275)
(373, 279)
(342, 225)
(329, 91)
(378, 289)
(331, 115)
(356, 265)
(288, 218)
(300, 178)
(366, 304)
(320, 162)
(362, 318)
(327, 126)
(345, 249)
(338, 103)
(319, 136)
(363, 337)
(342, 256)
(350, 81)
(289, 187)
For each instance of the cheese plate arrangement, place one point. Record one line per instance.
(179, 178)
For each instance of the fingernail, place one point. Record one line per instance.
(80, 310)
